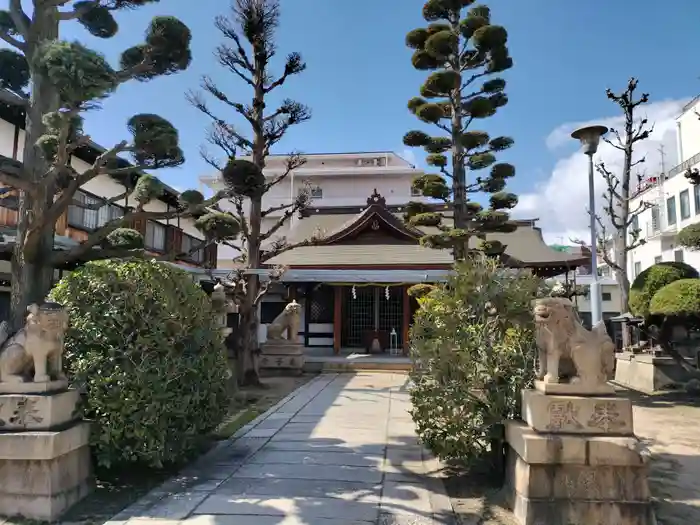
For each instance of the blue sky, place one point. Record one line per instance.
(359, 73)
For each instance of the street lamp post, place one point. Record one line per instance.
(589, 137)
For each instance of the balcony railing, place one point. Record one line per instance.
(684, 166)
(656, 230)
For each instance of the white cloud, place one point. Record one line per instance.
(409, 156)
(560, 202)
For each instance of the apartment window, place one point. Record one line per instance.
(155, 236)
(696, 196)
(604, 271)
(79, 215)
(685, 204)
(678, 255)
(658, 259)
(316, 192)
(85, 214)
(637, 268)
(655, 219)
(606, 296)
(188, 243)
(671, 210)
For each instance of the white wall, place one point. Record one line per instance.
(688, 126)
(7, 133)
(343, 181)
(344, 190)
(661, 245)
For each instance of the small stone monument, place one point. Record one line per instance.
(219, 304)
(284, 354)
(44, 453)
(575, 460)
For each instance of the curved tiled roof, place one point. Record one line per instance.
(525, 247)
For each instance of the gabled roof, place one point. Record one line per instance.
(343, 232)
(374, 217)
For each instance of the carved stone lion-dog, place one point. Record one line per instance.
(37, 346)
(562, 338)
(289, 319)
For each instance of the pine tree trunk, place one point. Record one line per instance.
(620, 268)
(32, 274)
(247, 362)
(459, 175)
(249, 368)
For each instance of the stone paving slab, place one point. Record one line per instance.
(296, 488)
(317, 472)
(266, 520)
(328, 445)
(339, 450)
(318, 458)
(309, 508)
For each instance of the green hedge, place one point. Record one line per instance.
(473, 345)
(689, 237)
(144, 344)
(680, 298)
(652, 280)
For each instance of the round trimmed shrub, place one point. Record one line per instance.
(678, 299)
(689, 237)
(652, 280)
(144, 345)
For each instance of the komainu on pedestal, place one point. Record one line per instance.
(280, 353)
(574, 459)
(44, 453)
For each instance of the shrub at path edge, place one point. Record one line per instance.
(144, 344)
(651, 280)
(474, 349)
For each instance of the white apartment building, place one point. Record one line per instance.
(335, 180)
(675, 201)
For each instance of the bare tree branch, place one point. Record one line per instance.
(227, 29)
(281, 246)
(11, 172)
(9, 39)
(223, 128)
(20, 18)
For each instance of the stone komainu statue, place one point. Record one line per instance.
(288, 320)
(567, 348)
(36, 348)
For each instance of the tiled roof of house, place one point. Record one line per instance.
(524, 247)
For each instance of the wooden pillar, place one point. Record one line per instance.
(406, 318)
(307, 312)
(337, 317)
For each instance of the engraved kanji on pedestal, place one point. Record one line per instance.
(44, 453)
(574, 459)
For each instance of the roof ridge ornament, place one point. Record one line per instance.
(376, 198)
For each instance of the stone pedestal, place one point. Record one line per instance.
(44, 453)
(648, 373)
(575, 460)
(282, 356)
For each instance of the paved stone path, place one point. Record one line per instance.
(670, 429)
(340, 450)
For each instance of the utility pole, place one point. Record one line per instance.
(662, 152)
